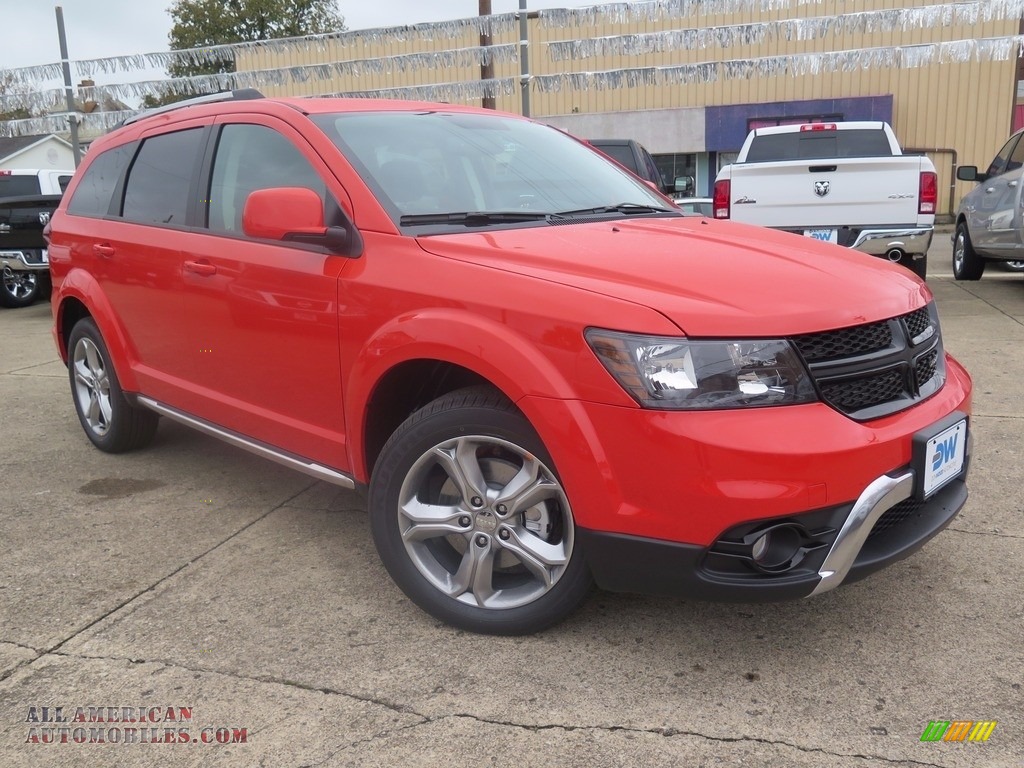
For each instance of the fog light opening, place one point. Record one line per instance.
(777, 549)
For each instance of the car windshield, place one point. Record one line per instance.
(432, 168)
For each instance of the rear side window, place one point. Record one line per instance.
(622, 154)
(252, 157)
(18, 186)
(819, 145)
(63, 181)
(93, 193)
(160, 179)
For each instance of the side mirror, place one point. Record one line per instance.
(683, 184)
(295, 215)
(969, 173)
(274, 214)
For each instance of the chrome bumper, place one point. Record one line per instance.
(28, 260)
(878, 498)
(878, 242)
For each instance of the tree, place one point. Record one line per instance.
(202, 23)
(10, 87)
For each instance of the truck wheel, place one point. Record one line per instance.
(470, 518)
(18, 289)
(112, 423)
(967, 265)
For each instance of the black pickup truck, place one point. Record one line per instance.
(27, 200)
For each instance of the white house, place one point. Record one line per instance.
(40, 151)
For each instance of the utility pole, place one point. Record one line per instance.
(487, 67)
(68, 92)
(524, 58)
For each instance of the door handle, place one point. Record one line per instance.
(202, 268)
(989, 190)
(103, 250)
(1012, 184)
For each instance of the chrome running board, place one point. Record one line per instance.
(260, 449)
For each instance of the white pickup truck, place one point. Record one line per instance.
(845, 183)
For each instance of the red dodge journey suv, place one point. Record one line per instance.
(544, 374)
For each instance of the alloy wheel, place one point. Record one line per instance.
(485, 522)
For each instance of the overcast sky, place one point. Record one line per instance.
(98, 28)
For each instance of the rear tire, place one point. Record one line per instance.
(112, 423)
(471, 521)
(967, 265)
(19, 289)
(918, 266)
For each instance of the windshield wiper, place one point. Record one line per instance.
(626, 208)
(474, 218)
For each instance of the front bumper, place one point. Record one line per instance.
(25, 260)
(883, 526)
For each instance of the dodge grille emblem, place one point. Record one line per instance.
(44, 217)
(821, 188)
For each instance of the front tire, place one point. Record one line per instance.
(967, 265)
(471, 521)
(19, 288)
(112, 423)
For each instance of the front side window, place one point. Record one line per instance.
(160, 179)
(1016, 160)
(251, 157)
(93, 194)
(1001, 160)
(431, 164)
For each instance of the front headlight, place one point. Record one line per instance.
(676, 373)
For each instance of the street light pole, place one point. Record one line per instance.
(68, 93)
(524, 58)
(487, 66)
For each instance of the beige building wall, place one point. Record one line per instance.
(946, 108)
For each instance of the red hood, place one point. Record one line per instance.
(711, 278)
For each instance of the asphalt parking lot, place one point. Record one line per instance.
(193, 576)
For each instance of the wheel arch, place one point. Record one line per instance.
(80, 297)
(413, 360)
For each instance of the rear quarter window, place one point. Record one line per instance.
(94, 192)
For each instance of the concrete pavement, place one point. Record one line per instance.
(192, 578)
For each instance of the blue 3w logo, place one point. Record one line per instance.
(944, 451)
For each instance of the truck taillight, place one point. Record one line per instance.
(720, 204)
(928, 195)
(818, 127)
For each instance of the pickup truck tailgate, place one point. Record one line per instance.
(808, 193)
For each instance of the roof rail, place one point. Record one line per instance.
(242, 94)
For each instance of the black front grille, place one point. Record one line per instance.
(925, 366)
(844, 342)
(872, 370)
(917, 322)
(855, 394)
(897, 515)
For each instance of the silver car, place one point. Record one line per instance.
(989, 222)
